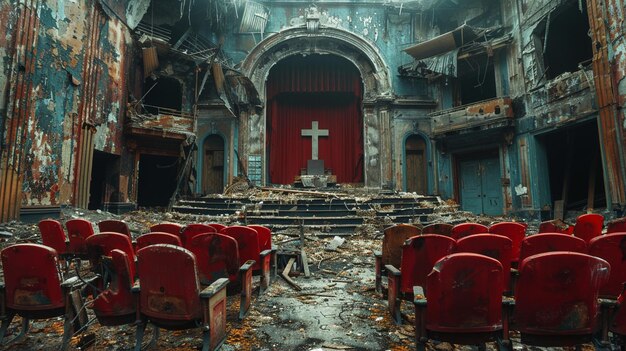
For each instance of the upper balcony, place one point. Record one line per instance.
(484, 115)
(160, 122)
(564, 99)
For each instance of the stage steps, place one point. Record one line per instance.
(334, 216)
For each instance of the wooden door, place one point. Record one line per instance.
(480, 187)
(213, 165)
(416, 165)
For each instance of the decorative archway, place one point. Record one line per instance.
(314, 38)
(325, 40)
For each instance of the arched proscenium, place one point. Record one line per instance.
(326, 40)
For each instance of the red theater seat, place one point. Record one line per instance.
(170, 295)
(419, 255)
(463, 303)
(393, 239)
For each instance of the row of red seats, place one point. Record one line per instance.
(233, 254)
(167, 294)
(395, 236)
(415, 254)
(587, 226)
(556, 303)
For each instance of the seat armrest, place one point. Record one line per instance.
(136, 289)
(265, 253)
(3, 306)
(392, 270)
(71, 282)
(378, 253)
(419, 300)
(508, 301)
(214, 288)
(608, 303)
(246, 266)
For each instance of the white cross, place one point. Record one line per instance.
(314, 133)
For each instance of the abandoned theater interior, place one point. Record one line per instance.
(312, 174)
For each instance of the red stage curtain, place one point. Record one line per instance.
(320, 88)
(342, 150)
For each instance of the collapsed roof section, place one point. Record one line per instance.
(439, 55)
(181, 30)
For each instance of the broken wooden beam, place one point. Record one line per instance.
(285, 274)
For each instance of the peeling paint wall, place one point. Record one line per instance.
(77, 76)
(6, 17)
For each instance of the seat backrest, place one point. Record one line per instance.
(611, 248)
(393, 239)
(103, 243)
(172, 228)
(464, 229)
(114, 225)
(548, 242)
(616, 226)
(495, 246)
(464, 292)
(264, 235)
(419, 254)
(438, 228)
(78, 230)
(52, 235)
(191, 230)
(169, 284)
(555, 226)
(557, 293)
(218, 226)
(157, 238)
(247, 243)
(217, 257)
(512, 230)
(117, 299)
(31, 277)
(588, 226)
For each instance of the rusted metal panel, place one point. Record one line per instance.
(477, 115)
(605, 20)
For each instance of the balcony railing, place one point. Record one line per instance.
(156, 120)
(484, 114)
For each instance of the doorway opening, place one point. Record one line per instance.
(213, 165)
(416, 159)
(575, 166)
(157, 180)
(103, 185)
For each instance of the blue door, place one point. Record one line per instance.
(481, 190)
